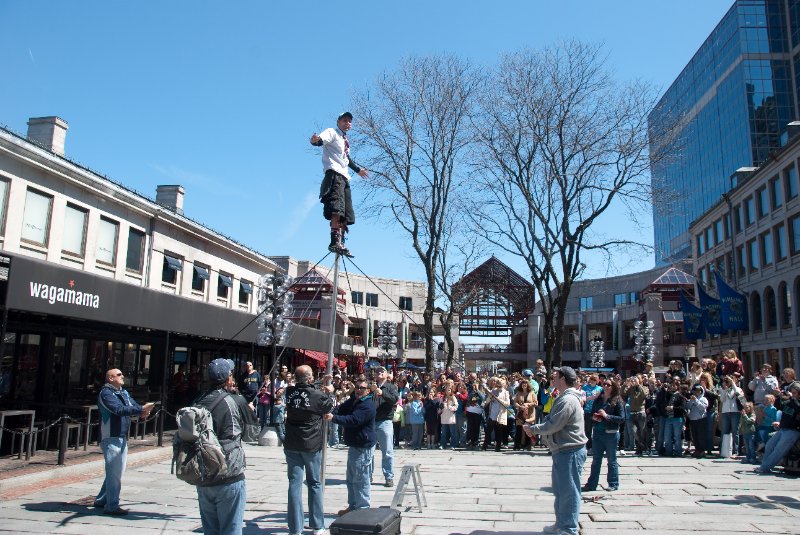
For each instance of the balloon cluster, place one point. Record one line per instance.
(387, 339)
(274, 309)
(643, 340)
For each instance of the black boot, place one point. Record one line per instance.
(343, 249)
(335, 242)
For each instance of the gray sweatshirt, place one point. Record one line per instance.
(563, 429)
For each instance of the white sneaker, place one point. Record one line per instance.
(322, 531)
(551, 529)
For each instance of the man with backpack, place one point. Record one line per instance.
(222, 500)
(305, 406)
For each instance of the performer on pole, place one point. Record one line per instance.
(334, 192)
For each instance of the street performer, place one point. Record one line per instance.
(334, 192)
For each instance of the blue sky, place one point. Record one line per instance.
(221, 97)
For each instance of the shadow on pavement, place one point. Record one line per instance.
(748, 500)
(78, 511)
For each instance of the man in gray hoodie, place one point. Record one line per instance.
(563, 433)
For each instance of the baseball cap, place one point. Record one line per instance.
(527, 372)
(566, 372)
(345, 114)
(219, 370)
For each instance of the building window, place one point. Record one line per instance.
(791, 183)
(36, 217)
(756, 321)
(357, 298)
(586, 303)
(737, 218)
(169, 271)
(766, 249)
(727, 221)
(223, 283)
(718, 231)
(781, 242)
(106, 250)
(710, 237)
(763, 202)
(372, 300)
(199, 278)
(405, 303)
(620, 300)
(777, 192)
(73, 239)
(752, 252)
(134, 261)
(245, 291)
(785, 296)
(4, 187)
(701, 243)
(749, 211)
(772, 309)
(794, 227)
(741, 262)
(633, 297)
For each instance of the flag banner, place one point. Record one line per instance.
(693, 326)
(734, 306)
(614, 334)
(712, 311)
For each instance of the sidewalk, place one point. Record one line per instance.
(469, 493)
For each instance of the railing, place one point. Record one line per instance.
(488, 348)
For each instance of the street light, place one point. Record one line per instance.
(274, 306)
(643, 348)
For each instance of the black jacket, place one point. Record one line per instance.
(357, 416)
(615, 412)
(233, 421)
(386, 402)
(305, 406)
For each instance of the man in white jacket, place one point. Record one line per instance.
(563, 433)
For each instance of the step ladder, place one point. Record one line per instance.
(410, 473)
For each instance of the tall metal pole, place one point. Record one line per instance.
(329, 368)
(163, 394)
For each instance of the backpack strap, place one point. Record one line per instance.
(218, 401)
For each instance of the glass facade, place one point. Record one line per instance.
(727, 109)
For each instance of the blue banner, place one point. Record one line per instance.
(693, 326)
(734, 306)
(712, 311)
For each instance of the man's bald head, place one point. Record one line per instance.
(303, 374)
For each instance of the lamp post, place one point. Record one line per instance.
(274, 304)
(597, 352)
(643, 348)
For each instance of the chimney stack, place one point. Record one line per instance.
(50, 132)
(170, 197)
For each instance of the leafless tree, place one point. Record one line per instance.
(560, 142)
(413, 128)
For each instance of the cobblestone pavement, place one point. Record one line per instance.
(469, 493)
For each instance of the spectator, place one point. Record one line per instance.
(608, 415)
(788, 432)
(708, 383)
(637, 394)
(497, 421)
(762, 384)
(592, 391)
(416, 419)
(475, 414)
(770, 416)
(432, 406)
(674, 413)
(697, 407)
(525, 412)
(747, 428)
(695, 371)
(730, 398)
(449, 408)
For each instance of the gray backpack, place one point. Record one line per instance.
(197, 456)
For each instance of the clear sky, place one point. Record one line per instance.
(221, 97)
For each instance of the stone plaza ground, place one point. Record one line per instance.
(469, 493)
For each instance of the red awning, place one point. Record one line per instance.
(319, 356)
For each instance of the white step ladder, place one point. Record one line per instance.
(410, 472)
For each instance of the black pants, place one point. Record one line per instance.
(500, 431)
(474, 422)
(521, 440)
(334, 194)
(699, 434)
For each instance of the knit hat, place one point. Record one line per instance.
(219, 370)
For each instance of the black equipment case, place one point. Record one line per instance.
(372, 521)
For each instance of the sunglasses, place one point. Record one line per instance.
(362, 388)
(116, 374)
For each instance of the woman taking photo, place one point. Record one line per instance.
(608, 412)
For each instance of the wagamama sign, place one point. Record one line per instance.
(55, 294)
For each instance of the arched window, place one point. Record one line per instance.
(785, 305)
(756, 320)
(771, 309)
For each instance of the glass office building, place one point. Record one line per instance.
(729, 108)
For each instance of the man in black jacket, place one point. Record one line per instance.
(386, 396)
(222, 502)
(305, 406)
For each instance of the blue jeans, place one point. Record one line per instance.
(630, 436)
(661, 421)
(604, 445)
(750, 444)
(115, 455)
(673, 436)
(450, 434)
(417, 430)
(778, 447)
(384, 431)
(222, 508)
(729, 424)
(359, 470)
(263, 414)
(711, 422)
(333, 434)
(566, 482)
(280, 425)
(299, 463)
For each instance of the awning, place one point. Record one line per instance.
(226, 280)
(201, 272)
(319, 356)
(174, 263)
(344, 318)
(672, 316)
(300, 315)
(247, 287)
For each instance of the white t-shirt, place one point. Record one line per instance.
(334, 155)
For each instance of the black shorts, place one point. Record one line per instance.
(334, 194)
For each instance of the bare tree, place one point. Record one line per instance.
(561, 141)
(414, 127)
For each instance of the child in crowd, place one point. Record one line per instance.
(771, 415)
(416, 419)
(747, 429)
(432, 407)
